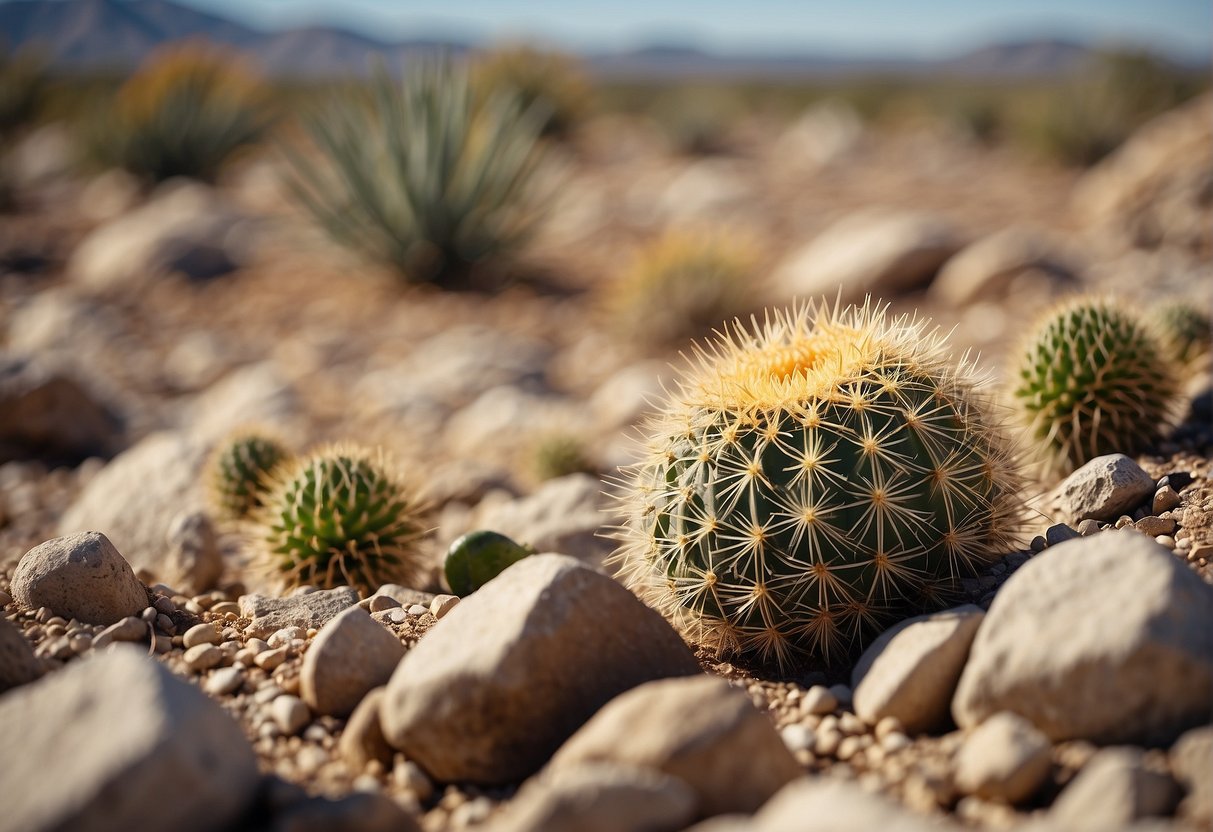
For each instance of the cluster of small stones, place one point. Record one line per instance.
(203, 638)
(206, 639)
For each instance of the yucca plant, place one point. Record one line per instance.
(416, 175)
(814, 480)
(550, 80)
(185, 112)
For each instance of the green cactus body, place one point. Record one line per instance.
(1185, 330)
(1091, 381)
(811, 483)
(476, 558)
(240, 470)
(340, 516)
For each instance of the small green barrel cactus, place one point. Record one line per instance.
(240, 470)
(1092, 380)
(811, 482)
(476, 558)
(340, 516)
(1185, 329)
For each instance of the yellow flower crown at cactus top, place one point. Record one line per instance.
(814, 479)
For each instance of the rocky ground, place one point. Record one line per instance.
(1074, 690)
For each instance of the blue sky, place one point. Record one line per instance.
(927, 28)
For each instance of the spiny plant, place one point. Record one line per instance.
(240, 470)
(340, 516)
(551, 80)
(185, 112)
(1091, 380)
(681, 286)
(1185, 330)
(812, 480)
(558, 455)
(479, 556)
(420, 177)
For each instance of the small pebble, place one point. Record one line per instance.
(894, 742)
(224, 681)
(165, 624)
(149, 615)
(397, 616)
(851, 724)
(1165, 499)
(797, 737)
(128, 629)
(200, 634)
(1059, 533)
(1166, 540)
(442, 604)
(290, 714)
(379, 603)
(5, 598)
(1155, 526)
(1124, 520)
(1038, 544)
(842, 693)
(418, 610)
(202, 657)
(165, 605)
(224, 608)
(887, 725)
(270, 659)
(408, 775)
(818, 700)
(285, 636)
(1088, 527)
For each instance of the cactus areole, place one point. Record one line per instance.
(814, 480)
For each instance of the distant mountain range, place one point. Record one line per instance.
(117, 34)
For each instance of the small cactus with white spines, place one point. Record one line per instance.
(340, 516)
(1093, 380)
(240, 470)
(814, 480)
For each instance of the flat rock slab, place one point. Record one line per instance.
(311, 610)
(1105, 488)
(80, 576)
(110, 741)
(514, 669)
(1114, 789)
(701, 730)
(351, 655)
(1107, 638)
(910, 672)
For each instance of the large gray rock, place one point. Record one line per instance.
(836, 806)
(186, 228)
(81, 576)
(110, 741)
(351, 655)
(136, 497)
(1105, 488)
(1114, 788)
(513, 670)
(911, 671)
(1005, 759)
(1014, 261)
(1107, 638)
(46, 411)
(699, 729)
(311, 609)
(599, 798)
(871, 252)
(18, 664)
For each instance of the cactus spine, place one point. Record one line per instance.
(340, 516)
(812, 480)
